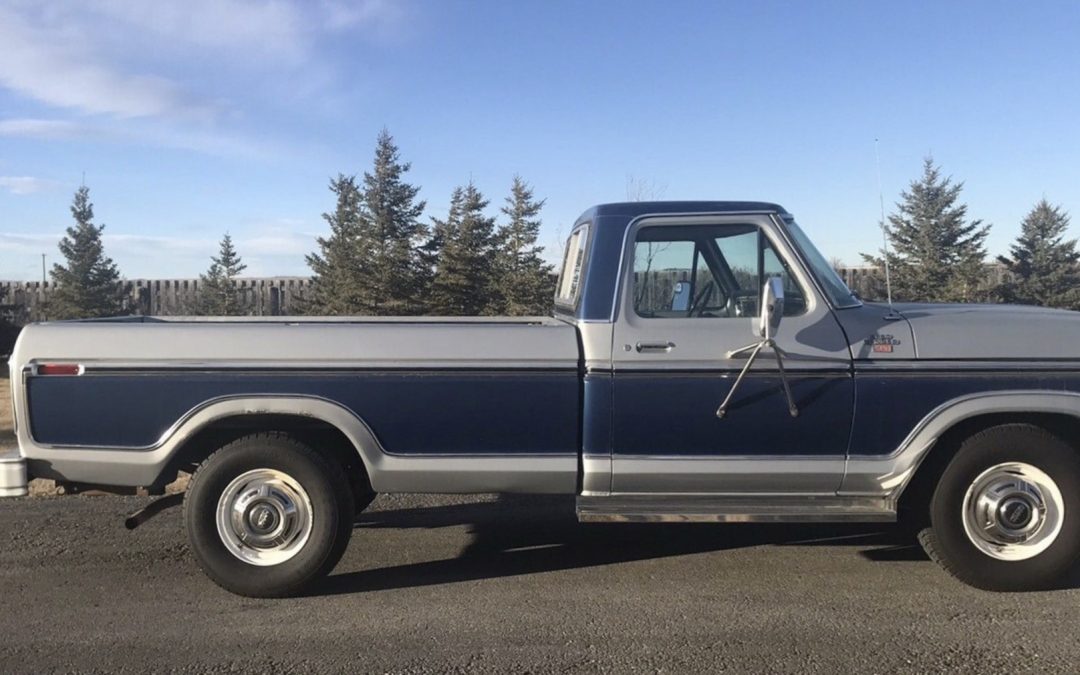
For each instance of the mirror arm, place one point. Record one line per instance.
(793, 410)
(753, 350)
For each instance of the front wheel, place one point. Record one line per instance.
(267, 516)
(1005, 515)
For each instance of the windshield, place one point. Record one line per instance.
(839, 294)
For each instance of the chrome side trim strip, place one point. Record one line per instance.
(733, 475)
(92, 367)
(710, 369)
(734, 509)
(920, 366)
(554, 474)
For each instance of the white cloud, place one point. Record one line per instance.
(28, 243)
(275, 29)
(205, 141)
(341, 15)
(55, 66)
(38, 128)
(172, 73)
(149, 245)
(284, 237)
(98, 57)
(24, 185)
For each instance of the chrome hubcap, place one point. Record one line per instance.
(264, 517)
(1013, 511)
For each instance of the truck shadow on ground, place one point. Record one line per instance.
(518, 535)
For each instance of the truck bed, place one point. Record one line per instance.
(402, 389)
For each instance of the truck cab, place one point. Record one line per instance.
(665, 296)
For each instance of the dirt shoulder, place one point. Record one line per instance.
(7, 422)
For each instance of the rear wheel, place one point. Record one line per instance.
(266, 515)
(1005, 514)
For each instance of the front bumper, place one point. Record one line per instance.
(12, 473)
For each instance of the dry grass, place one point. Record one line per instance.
(7, 424)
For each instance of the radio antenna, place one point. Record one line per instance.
(884, 232)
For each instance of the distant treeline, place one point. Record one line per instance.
(868, 281)
(937, 254)
(379, 258)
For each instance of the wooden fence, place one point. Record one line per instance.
(25, 301)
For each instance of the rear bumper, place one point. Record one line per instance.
(12, 473)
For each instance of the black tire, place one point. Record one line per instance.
(331, 509)
(947, 541)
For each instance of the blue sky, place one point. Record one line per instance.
(195, 117)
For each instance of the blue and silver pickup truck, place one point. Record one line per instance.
(704, 363)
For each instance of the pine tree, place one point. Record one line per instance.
(1043, 264)
(463, 267)
(523, 283)
(432, 249)
(218, 294)
(341, 260)
(937, 254)
(395, 278)
(88, 285)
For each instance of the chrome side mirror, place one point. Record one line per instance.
(772, 307)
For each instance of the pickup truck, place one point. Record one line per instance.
(704, 363)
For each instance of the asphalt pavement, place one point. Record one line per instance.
(512, 584)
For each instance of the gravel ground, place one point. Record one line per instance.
(479, 584)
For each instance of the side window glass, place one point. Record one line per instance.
(794, 298)
(738, 249)
(706, 272)
(663, 271)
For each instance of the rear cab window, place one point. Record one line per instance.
(568, 289)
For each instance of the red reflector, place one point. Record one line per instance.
(58, 369)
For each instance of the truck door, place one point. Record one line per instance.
(690, 290)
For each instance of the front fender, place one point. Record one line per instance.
(889, 475)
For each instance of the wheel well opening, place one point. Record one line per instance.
(916, 497)
(322, 436)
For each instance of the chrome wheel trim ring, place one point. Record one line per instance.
(264, 517)
(1013, 511)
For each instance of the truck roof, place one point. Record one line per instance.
(632, 210)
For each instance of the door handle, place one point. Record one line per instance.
(665, 347)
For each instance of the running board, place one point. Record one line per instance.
(734, 509)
